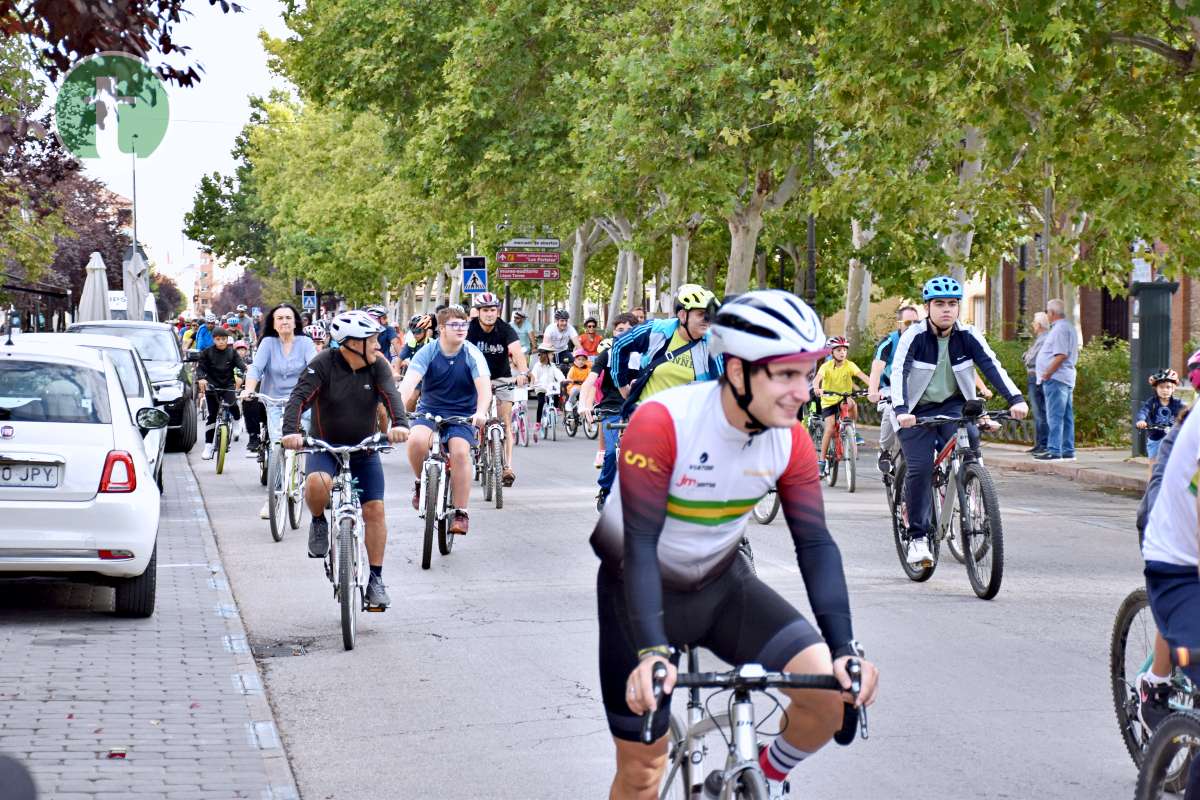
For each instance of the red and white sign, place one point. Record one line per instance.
(527, 257)
(528, 273)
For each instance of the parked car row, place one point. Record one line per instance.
(85, 418)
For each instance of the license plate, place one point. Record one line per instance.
(37, 476)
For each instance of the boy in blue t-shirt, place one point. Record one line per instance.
(1162, 409)
(455, 382)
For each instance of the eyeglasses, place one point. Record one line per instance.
(458, 325)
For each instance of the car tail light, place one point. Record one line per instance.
(119, 474)
(114, 555)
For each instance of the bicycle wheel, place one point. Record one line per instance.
(680, 781)
(954, 531)
(850, 451)
(571, 423)
(1173, 745)
(1130, 651)
(262, 465)
(590, 429)
(275, 494)
(485, 472)
(293, 488)
(831, 464)
(431, 512)
(347, 583)
(982, 532)
(222, 446)
(496, 460)
(766, 508)
(899, 506)
(554, 426)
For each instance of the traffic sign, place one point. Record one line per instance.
(550, 244)
(526, 257)
(474, 274)
(309, 300)
(528, 273)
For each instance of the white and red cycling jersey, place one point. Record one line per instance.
(687, 482)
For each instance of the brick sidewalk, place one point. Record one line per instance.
(178, 693)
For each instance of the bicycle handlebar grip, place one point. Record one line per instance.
(657, 677)
(845, 734)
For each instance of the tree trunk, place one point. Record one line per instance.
(455, 276)
(760, 270)
(957, 245)
(579, 258)
(636, 281)
(439, 288)
(858, 288)
(427, 304)
(799, 275)
(614, 302)
(744, 227)
(680, 245)
(710, 274)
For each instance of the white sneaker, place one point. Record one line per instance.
(208, 452)
(266, 510)
(919, 554)
(599, 459)
(778, 790)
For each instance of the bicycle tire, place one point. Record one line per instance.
(431, 509)
(766, 508)
(590, 429)
(347, 585)
(497, 461)
(554, 427)
(1124, 691)
(1175, 733)
(262, 466)
(850, 449)
(274, 495)
(985, 576)
(523, 432)
(954, 534)
(831, 464)
(444, 536)
(222, 446)
(571, 424)
(294, 505)
(900, 528)
(485, 472)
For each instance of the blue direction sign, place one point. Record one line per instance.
(474, 274)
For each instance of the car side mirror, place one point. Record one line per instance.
(150, 419)
(192, 356)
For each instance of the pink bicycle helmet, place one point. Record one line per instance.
(1193, 370)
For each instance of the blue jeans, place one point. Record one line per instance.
(920, 446)
(1152, 446)
(1060, 419)
(1037, 400)
(608, 473)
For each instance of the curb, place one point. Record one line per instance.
(247, 680)
(999, 455)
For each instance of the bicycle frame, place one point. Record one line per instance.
(439, 458)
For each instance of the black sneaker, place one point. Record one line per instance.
(1044, 456)
(416, 495)
(318, 537)
(884, 464)
(377, 593)
(253, 443)
(1154, 706)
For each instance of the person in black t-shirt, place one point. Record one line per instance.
(498, 341)
(608, 409)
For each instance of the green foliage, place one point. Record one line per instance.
(1102, 393)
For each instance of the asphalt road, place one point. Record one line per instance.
(481, 680)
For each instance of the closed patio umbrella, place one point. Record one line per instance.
(93, 301)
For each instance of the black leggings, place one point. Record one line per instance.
(256, 417)
(214, 410)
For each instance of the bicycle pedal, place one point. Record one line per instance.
(374, 609)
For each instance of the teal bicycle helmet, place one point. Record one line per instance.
(942, 286)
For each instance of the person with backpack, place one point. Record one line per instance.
(600, 399)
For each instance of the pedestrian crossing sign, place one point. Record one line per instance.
(474, 275)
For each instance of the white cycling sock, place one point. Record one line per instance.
(1156, 679)
(784, 757)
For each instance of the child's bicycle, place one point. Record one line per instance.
(843, 442)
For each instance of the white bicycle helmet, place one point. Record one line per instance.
(767, 325)
(353, 325)
(376, 311)
(486, 300)
(316, 333)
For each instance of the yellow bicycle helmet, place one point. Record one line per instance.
(693, 295)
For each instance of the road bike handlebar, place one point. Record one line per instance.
(752, 677)
(846, 395)
(267, 399)
(443, 422)
(941, 419)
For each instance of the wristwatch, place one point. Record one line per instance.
(850, 648)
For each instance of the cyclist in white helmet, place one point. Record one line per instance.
(669, 536)
(343, 388)
(500, 345)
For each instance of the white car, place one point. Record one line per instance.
(77, 498)
(139, 389)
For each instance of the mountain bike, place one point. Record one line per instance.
(285, 485)
(346, 562)
(549, 419)
(434, 498)
(1131, 652)
(843, 442)
(573, 420)
(224, 430)
(962, 484)
(1173, 748)
(520, 417)
(490, 459)
(694, 772)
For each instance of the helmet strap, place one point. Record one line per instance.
(744, 399)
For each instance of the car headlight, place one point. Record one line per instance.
(168, 391)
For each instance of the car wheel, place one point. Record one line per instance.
(135, 596)
(183, 438)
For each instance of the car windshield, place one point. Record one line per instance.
(151, 344)
(36, 391)
(127, 370)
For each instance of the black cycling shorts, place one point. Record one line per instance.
(737, 616)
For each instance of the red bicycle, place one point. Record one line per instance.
(843, 442)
